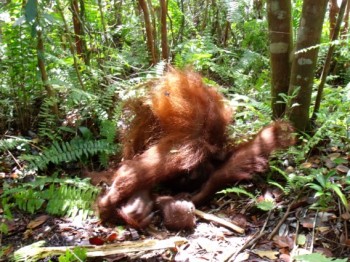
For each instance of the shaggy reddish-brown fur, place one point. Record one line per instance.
(177, 131)
(177, 214)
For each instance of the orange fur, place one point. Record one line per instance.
(192, 119)
(178, 130)
(248, 159)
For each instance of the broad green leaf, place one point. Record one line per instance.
(31, 10)
(340, 194)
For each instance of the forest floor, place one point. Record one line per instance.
(291, 228)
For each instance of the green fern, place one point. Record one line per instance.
(71, 197)
(48, 123)
(66, 152)
(11, 143)
(237, 190)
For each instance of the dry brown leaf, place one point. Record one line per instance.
(306, 165)
(323, 229)
(342, 169)
(27, 234)
(329, 163)
(345, 216)
(270, 254)
(37, 221)
(307, 223)
(334, 156)
(283, 241)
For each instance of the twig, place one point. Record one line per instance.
(220, 221)
(14, 159)
(274, 231)
(36, 251)
(264, 226)
(313, 233)
(251, 242)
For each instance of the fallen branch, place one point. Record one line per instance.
(219, 221)
(36, 251)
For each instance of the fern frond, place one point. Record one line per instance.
(66, 152)
(72, 197)
(11, 143)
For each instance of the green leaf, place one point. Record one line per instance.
(316, 257)
(236, 190)
(340, 194)
(315, 187)
(266, 205)
(321, 179)
(31, 10)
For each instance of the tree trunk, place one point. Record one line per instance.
(117, 38)
(281, 45)
(163, 15)
(328, 61)
(104, 29)
(42, 68)
(333, 14)
(345, 29)
(304, 62)
(71, 46)
(226, 33)
(182, 24)
(149, 33)
(153, 16)
(79, 33)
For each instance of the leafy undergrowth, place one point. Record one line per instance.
(305, 219)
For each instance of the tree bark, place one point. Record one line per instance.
(327, 64)
(345, 29)
(182, 25)
(164, 32)
(79, 33)
(71, 46)
(104, 28)
(333, 14)
(149, 33)
(117, 38)
(304, 63)
(44, 77)
(281, 45)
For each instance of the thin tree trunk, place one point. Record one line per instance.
(79, 33)
(216, 29)
(182, 25)
(41, 64)
(345, 29)
(205, 16)
(226, 33)
(117, 38)
(333, 13)
(104, 33)
(281, 45)
(154, 27)
(304, 63)
(328, 61)
(71, 46)
(149, 33)
(163, 15)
